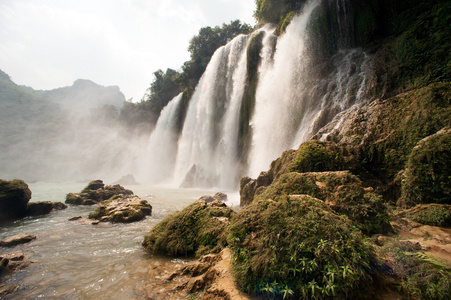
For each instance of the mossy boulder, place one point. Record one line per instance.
(96, 192)
(317, 156)
(196, 230)
(299, 247)
(14, 197)
(341, 191)
(428, 173)
(122, 209)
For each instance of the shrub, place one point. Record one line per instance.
(420, 276)
(298, 246)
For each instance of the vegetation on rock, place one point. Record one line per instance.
(428, 173)
(14, 197)
(196, 230)
(299, 247)
(95, 192)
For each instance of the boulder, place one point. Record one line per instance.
(122, 209)
(17, 240)
(39, 208)
(198, 229)
(127, 180)
(14, 197)
(298, 240)
(96, 192)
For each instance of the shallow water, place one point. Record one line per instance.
(73, 260)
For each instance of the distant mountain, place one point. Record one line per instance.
(85, 94)
(43, 132)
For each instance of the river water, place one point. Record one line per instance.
(77, 260)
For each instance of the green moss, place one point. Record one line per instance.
(315, 156)
(196, 230)
(298, 244)
(342, 191)
(430, 214)
(428, 173)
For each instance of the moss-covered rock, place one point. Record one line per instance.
(298, 247)
(14, 197)
(96, 192)
(196, 230)
(122, 209)
(428, 173)
(341, 191)
(316, 156)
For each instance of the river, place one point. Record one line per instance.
(75, 260)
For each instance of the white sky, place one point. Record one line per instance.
(48, 44)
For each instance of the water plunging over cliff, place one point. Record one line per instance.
(296, 95)
(162, 146)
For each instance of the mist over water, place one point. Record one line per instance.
(296, 96)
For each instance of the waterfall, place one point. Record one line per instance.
(277, 96)
(295, 99)
(298, 92)
(162, 145)
(207, 152)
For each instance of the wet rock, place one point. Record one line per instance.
(127, 180)
(122, 209)
(220, 196)
(96, 192)
(17, 240)
(14, 197)
(75, 218)
(5, 290)
(39, 208)
(44, 207)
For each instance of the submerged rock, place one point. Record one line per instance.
(14, 197)
(17, 240)
(96, 192)
(122, 209)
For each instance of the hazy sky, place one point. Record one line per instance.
(47, 44)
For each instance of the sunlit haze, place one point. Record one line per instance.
(48, 44)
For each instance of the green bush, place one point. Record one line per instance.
(430, 214)
(298, 246)
(196, 230)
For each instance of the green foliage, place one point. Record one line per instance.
(420, 276)
(342, 191)
(430, 214)
(428, 174)
(196, 230)
(166, 85)
(316, 156)
(298, 246)
(202, 47)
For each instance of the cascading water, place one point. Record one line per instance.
(162, 146)
(207, 148)
(298, 92)
(292, 102)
